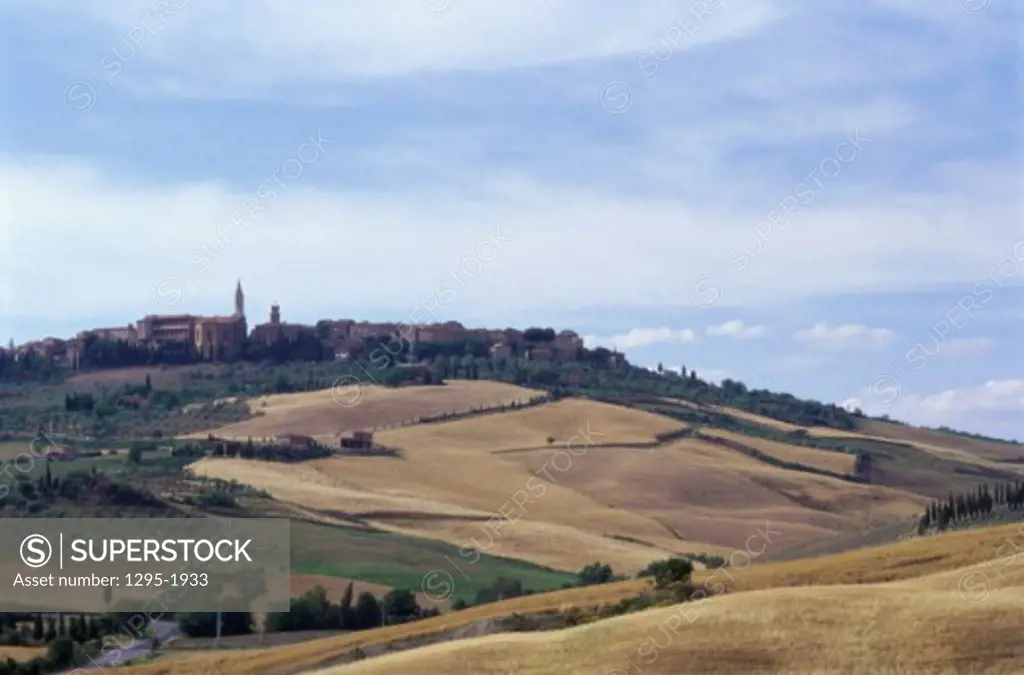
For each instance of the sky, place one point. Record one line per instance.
(814, 197)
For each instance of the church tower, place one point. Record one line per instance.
(239, 300)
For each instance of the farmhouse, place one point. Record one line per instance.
(357, 440)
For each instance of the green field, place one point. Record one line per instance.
(401, 562)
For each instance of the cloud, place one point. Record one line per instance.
(939, 408)
(845, 337)
(992, 395)
(736, 330)
(158, 227)
(218, 43)
(641, 337)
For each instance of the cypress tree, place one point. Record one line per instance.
(345, 606)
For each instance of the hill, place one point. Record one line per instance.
(870, 630)
(776, 615)
(576, 481)
(325, 412)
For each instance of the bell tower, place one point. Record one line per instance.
(239, 300)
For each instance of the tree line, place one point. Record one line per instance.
(962, 507)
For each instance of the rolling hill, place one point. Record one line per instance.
(576, 481)
(942, 604)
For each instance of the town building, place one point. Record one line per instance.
(275, 330)
(209, 338)
(224, 338)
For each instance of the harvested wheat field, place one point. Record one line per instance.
(572, 501)
(21, 654)
(873, 630)
(813, 614)
(753, 418)
(322, 414)
(990, 450)
(452, 498)
(706, 493)
(581, 422)
(836, 462)
(453, 478)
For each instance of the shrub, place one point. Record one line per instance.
(668, 572)
(595, 573)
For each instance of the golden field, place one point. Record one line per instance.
(990, 450)
(946, 604)
(873, 630)
(593, 493)
(965, 448)
(324, 413)
(21, 653)
(836, 462)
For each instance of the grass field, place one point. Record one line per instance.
(756, 419)
(21, 653)
(870, 630)
(450, 482)
(991, 450)
(324, 413)
(575, 420)
(395, 561)
(836, 462)
(924, 623)
(573, 501)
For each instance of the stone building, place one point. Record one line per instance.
(210, 338)
(274, 330)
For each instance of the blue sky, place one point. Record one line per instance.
(816, 197)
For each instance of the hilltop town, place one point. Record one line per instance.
(189, 338)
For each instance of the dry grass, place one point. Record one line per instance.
(564, 421)
(756, 419)
(452, 479)
(324, 413)
(924, 617)
(870, 630)
(990, 450)
(622, 505)
(836, 462)
(21, 653)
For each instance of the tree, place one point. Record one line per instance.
(60, 653)
(135, 454)
(204, 624)
(38, 633)
(345, 606)
(595, 573)
(367, 612)
(401, 606)
(668, 572)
